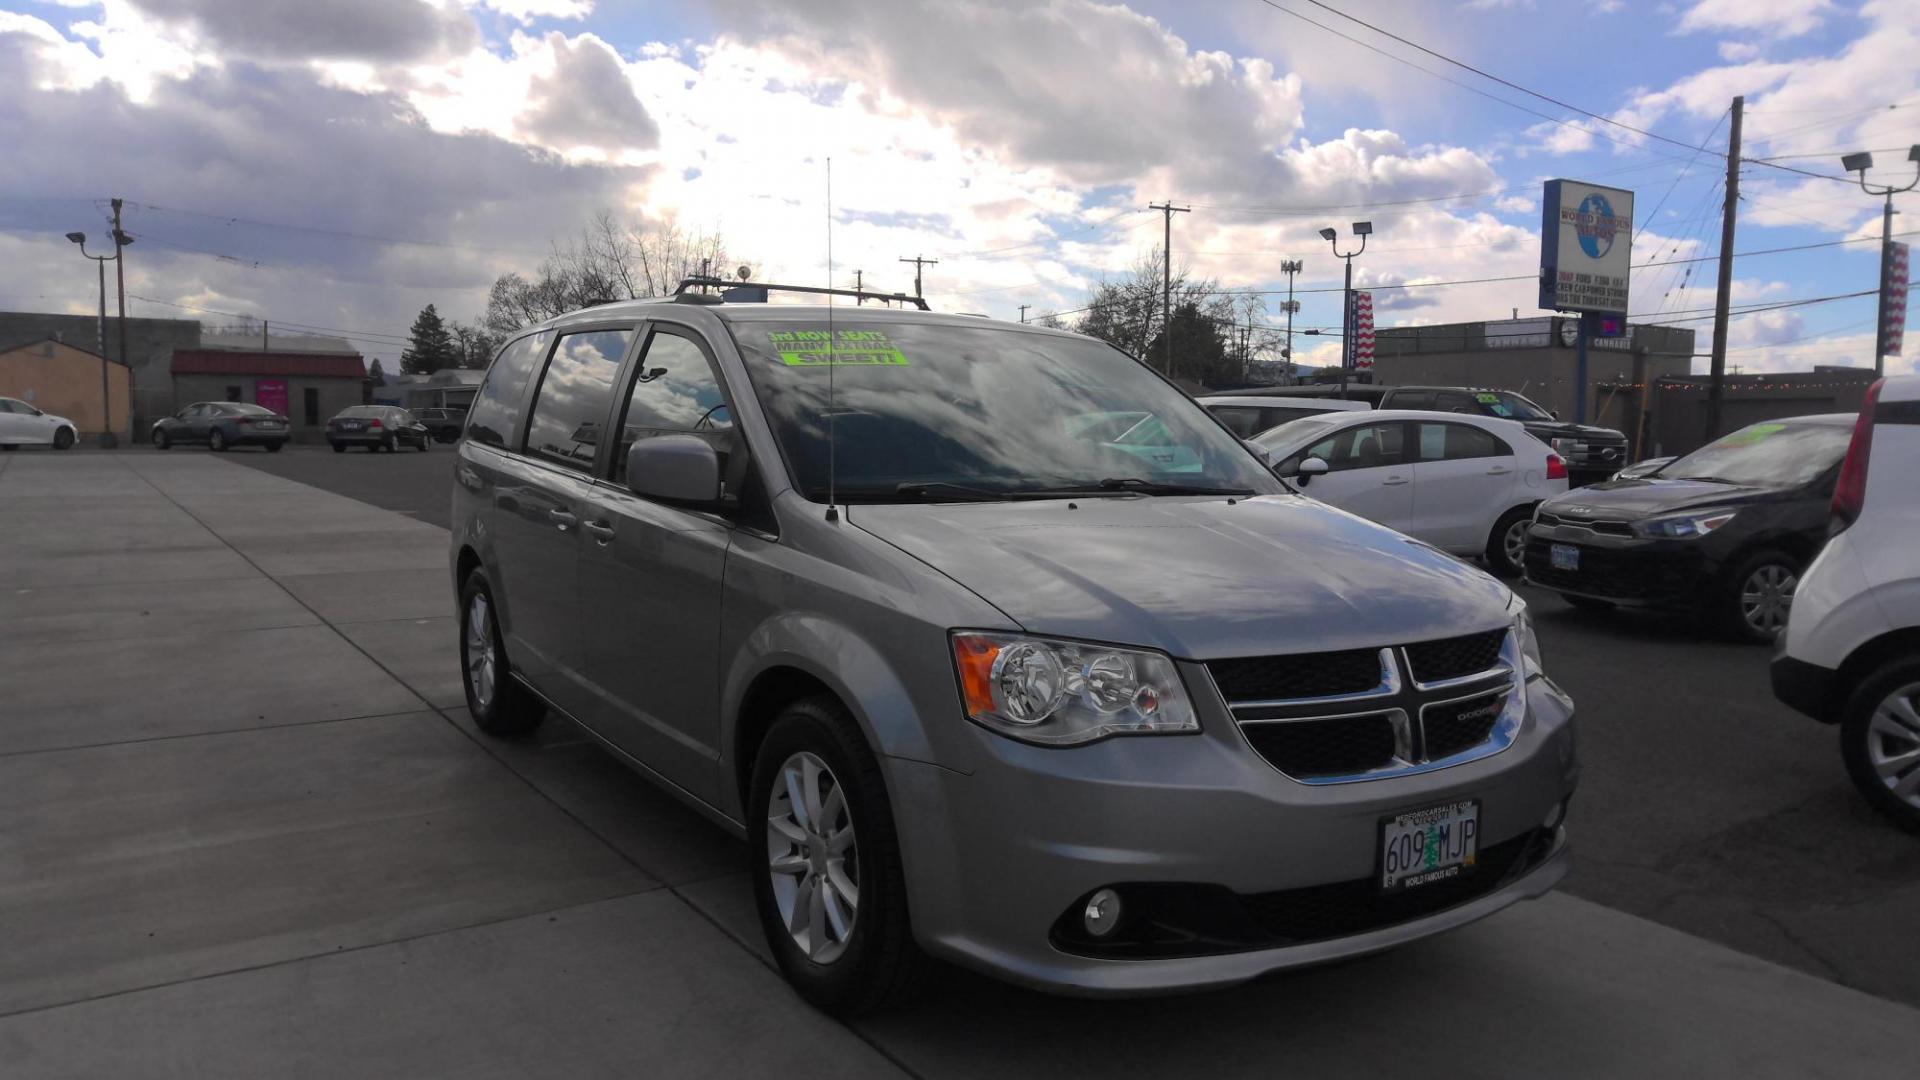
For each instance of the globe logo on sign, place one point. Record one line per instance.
(1596, 225)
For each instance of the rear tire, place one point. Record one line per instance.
(1757, 597)
(63, 439)
(1507, 543)
(499, 705)
(425, 442)
(1879, 728)
(274, 447)
(1587, 603)
(390, 444)
(858, 956)
(216, 441)
(338, 448)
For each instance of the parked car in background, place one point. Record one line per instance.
(1023, 661)
(222, 425)
(443, 424)
(1592, 453)
(1725, 531)
(1247, 415)
(376, 427)
(1465, 484)
(1644, 468)
(1851, 652)
(22, 424)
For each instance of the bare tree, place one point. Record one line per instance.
(611, 260)
(1127, 310)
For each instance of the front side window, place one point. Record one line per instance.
(571, 404)
(1510, 406)
(675, 392)
(1364, 446)
(6, 406)
(496, 407)
(935, 410)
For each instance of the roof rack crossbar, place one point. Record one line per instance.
(680, 291)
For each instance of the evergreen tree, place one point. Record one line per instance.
(431, 345)
(377, 374)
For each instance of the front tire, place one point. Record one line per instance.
(424, 443)
(338, 447)
(1507, 543)
(1587, 603)
(1757, 596)
(389, 444)
(217, 441)
(63, 439)
(499, 705)
(825, 860)
(1880, 740)
(274, 447)
(160, 440)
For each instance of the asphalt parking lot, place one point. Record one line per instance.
(247, 829)
(1704, 805)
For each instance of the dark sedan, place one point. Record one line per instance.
(445, 424)
(1724, 531)
(377, 427)
(221, 425)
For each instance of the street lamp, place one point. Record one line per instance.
(107, 438)
(1860, 163)
(1361, 229)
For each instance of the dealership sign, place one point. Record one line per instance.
(1586, 247)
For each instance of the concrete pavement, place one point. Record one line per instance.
(245, 829)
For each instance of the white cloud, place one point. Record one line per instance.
(528, 10)
(1773, 18)
(389, 30)
(1738, 52)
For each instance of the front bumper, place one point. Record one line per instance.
(1623, 569)
(995, 858)
(1807, 688)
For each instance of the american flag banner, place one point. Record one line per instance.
(1362, 323)
(1895, 301)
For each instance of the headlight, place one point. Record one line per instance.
(1056, 693)
(1529, 643)
(1683, 526)
(1564, 447)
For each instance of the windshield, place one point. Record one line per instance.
(364, 411)
(1774, 454)
(959, 412)
(1511, 406)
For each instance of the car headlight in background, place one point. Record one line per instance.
(1683, 526)
(1565, 447)
(1529, 643)
(1057, 693)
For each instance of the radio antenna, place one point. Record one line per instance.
(833, 469)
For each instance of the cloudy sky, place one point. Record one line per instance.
(340, 163)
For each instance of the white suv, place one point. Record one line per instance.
(1851, 652)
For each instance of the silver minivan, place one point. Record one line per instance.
(996, 648)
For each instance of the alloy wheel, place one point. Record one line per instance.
(1766, 598)
(481, 666)
(1515, 542)
(812, 858)
(1893, 743)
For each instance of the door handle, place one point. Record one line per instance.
(600, 531)
(562, 519)
(1393, 481)
(1498, 471)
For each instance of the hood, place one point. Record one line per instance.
(1630, 500)
(1199, 578)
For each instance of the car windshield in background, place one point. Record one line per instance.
(1295, 431)
(1512, 407)
(1775, 454)
(364, 411)
(924, 410)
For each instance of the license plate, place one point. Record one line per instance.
(1424, 846)
(350, 425)
(269, 426)
(1565, 557)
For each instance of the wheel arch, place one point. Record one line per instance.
(1864, 660)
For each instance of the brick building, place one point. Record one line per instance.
(308, 388)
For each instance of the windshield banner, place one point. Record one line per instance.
(814, 348)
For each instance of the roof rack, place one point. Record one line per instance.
(681, 295)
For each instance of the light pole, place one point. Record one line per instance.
(1860, 163)
(107, 437)
(1361, 229)
(1290, 267)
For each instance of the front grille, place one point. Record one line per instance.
(1611, 528)
(1317, 912)
(1305, 675)
(1341, 746)
(1454, 726)
(1450, 658)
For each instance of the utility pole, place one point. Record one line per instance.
(858, 287)
(1023, 313)
(919, 262)
(1167, 210)
(1290, 267)
(120, 241)
(1717, 379)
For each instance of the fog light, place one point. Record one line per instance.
(1555, 816)
(1102, 915)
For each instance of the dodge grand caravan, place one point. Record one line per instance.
(876, 591)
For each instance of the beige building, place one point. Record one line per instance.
(64, 380)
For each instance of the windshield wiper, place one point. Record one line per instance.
(1707, 479)
(1137, 485)
(942, 489)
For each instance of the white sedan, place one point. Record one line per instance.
(1465, 484)
(22, 424)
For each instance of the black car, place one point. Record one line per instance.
(444, 424)
(220, 425)
(376, 427)
(1724, 531)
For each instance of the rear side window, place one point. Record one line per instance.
(496, 408)
(1242, 420)
(1456, 442)
(675, 391)
(571, 405)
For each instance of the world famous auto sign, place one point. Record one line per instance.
(1586, 247)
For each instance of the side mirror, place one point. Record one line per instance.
(674, 468)
(1555, 413)
(1309, 469)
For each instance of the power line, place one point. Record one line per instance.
(371, 336)
(231, 219)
